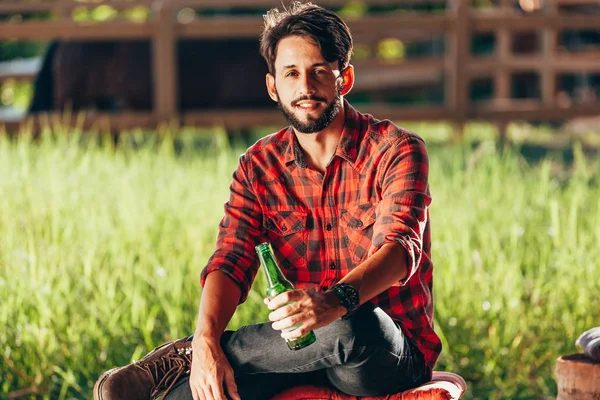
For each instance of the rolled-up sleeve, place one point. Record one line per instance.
(403, 210)
(239, 232)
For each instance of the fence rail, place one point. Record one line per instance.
(25, 69)
(50, 5)
(458, 66)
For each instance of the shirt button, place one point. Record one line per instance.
(359, 223)
(332, 266)
(284, 228)
(328, 227)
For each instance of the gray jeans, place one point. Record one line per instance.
(366, 355)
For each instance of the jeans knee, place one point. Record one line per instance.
(375, 372)
(370, 327)
(367, 375)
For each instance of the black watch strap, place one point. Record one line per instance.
(348, 296)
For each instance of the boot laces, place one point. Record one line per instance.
(167, 370)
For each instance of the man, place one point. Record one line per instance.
(343, 198)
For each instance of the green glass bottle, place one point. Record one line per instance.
(277, 284)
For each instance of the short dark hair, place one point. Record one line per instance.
(325, 27)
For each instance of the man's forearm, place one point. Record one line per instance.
(380, 271)
(218, 302)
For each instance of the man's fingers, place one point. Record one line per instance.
(231, 386)
(296, 333)
(195, 394)
(283, 298)
(278, 301)
(196, 390)
(217, 390)
(287, 322)
(206, 393)
(285, 311)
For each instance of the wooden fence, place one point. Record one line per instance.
(458, 66)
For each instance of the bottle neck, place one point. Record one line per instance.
(272, 270)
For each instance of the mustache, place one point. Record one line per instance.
(305, 98)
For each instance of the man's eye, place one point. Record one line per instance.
(291, 73)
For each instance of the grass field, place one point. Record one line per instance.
(101, 251)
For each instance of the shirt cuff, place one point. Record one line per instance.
(413, 254)
(242, 283)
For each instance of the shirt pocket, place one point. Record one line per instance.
(287, 231)
(357, 231)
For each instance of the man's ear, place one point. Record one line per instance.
(270, 79)
(348, 79)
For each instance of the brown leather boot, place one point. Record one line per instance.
(153, 375)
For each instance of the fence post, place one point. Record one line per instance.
(503, 52)
(502, 77)
(457, 60)
(164, 63)
(549, 44)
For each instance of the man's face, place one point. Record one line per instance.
(307, 88)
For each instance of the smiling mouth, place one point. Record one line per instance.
(307, 105)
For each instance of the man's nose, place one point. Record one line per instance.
(307, 84)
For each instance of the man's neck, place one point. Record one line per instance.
(319, 147)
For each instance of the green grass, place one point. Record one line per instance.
(101, 251)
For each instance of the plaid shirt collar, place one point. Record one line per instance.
(347, 147)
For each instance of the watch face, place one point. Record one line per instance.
(351, 295)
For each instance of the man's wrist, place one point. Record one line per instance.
(334, 301)
(348, 296)
(206, 335)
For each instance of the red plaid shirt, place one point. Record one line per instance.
(374, 191)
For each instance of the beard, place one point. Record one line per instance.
(312, 125)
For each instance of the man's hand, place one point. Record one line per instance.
(211, 371)
(309, 308)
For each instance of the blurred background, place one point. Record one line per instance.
(121, 122)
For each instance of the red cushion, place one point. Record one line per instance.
(443, 386)
(308, 392)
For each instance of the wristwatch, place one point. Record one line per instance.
(348, 296)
